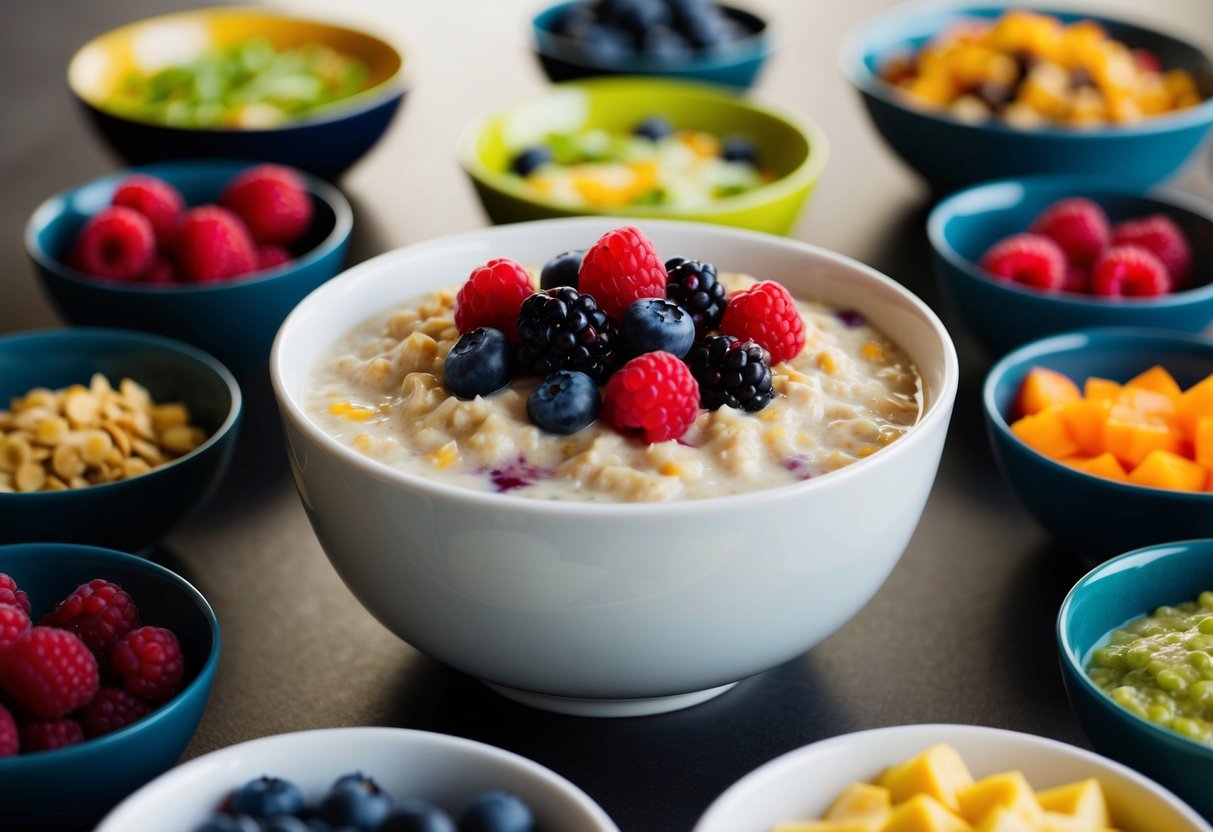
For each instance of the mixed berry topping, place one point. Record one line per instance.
(561, 270)
(654, 395)
(563, 329)
(693, 285)
(480, 363)
(652, 324)
(492, 297)
(766, 313)
(564, 402)
(731, 373)
(622, 268)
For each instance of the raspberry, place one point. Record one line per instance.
(99, 612)
(111, 709)
(47, 736)
(149, 661)
(563, 329)
(49, 672)
(272, 200)
(1031, 259)
(9, 743)
(654, 393)
(1158, 234)
(9, 594)
(271, 256)
(155, 199)
(212, 243)
(767, 314)
(162, 271)
(1129, 271)
(1078, 280)
(693, 286)
(116, 243)
(13, 622)
(731, 372)
(1078, 225)
(492, 296)
(621, 268)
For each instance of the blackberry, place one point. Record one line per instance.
(731, 372)
(693, 286)
(563, 329)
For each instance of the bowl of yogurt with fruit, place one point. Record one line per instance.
(613, 470)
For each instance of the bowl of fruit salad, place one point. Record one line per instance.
(214, 253)
(945, 778)
(969, 92)
(644, 148)
(240, 83)
(1106, 435)
(667, 436)
(1020, 259)
(106, 664)
(692, 40)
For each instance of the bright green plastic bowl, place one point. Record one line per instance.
(791, 144)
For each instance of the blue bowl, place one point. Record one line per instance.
(234, 320)
(325, 142)
(563, 59)
(1115, 592)
(133, 513)
(950, 154)
(1084, 512)
(75, 785)
(1001, 314)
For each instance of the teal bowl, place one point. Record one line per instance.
(133, 513)
(74, 786)
(1109, 596)
(951, 154)
(793, 146)
(1086, 513)
(234, 320)
(1001, 314)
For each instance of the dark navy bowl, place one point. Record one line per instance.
(563, 59)
(1109, 596)
(950, 154)
(133, 513)
(234, 320)
(76, 785)
(325, 142)
(1086, 513)
(1001, 314)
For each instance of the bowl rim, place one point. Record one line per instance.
(319, 736)
(805, 173)
(952, 206)
(851, 61)
(203, 679)
(790, 760)
(938, 410)
(394, 86)
(1145, 554)
(1083, 338)
(54, 207)
(160, 344)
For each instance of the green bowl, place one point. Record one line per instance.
(791, 144)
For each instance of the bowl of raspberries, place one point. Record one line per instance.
(214, 253)
(106, 665)
(1020, 259)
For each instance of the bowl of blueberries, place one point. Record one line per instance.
(688, 39)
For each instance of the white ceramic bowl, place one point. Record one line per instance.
(803, 783)
(446, 771)
(611, 609)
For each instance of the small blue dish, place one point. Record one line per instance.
(1086, 513)
(234, 320)
(1109, 596)
(1001, 314)
(564, 59)
(950, 154)
(132, 513)
(76, 785)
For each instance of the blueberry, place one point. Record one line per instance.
(564, 402)
(664, 44)
(284, 823)
(227, 823)
(359, 803)
(480, 363)
(268, 796)
(635, 16)
(530, 159)
(496, 811)
(735, 149)
(574, 22)
(652, 324)
(561, 270)
(653, 128)
(706, 31)
(605, 46)
(418, 816)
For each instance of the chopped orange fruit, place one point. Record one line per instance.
(1043, 387)
(1085, 419)
(1046, 433)
(1202, 443)
(1100, 388)
(1159, 380)
(1163, 469)
(1131, 438)
(1195, 404)
(1104, 465)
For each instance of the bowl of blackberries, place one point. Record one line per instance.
(690, 39)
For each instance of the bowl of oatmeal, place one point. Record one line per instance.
(595, 572)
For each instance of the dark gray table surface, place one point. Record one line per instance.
(961, 632)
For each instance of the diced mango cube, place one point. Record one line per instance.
(1085, 420)
(938, 772)
(1046, 433)
(1164, 469)
(923, 813)
(1157, 379)
(1131, 438)
(1010, 789)
(847, 825)
(1043, 388)
(1104, 465)
(1195, 404)
(1100, 388)
(1083, 800)
(1202, 442)
(861, 800)
(1007, 819)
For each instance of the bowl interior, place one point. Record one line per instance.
(149, 45)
